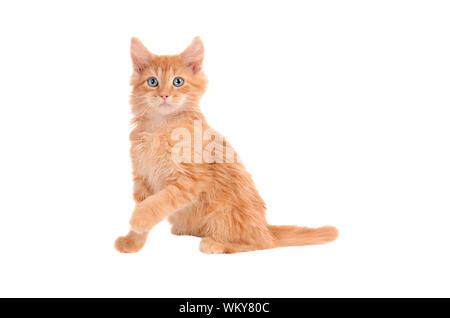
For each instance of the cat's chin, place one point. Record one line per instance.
(166, 106)
(166, 109)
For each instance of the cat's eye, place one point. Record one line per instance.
(178, 81)
(152, 82)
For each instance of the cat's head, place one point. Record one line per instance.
(166, 84)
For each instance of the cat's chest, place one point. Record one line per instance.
(150, 155)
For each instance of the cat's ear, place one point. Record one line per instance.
(140, 56)
(193, 55)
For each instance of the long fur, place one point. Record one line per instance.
(216, 201)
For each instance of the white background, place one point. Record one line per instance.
(339, 109)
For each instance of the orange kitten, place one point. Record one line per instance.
(186, 172)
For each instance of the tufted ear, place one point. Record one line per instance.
(193, 55)
(140, 56)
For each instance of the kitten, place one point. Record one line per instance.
(213, 197)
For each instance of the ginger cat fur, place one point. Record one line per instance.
(215, 201)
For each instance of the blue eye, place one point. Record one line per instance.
(178, 81)
(152, 82)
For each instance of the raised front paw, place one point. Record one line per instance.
(142, 221)
(126, 245)
(131, 243)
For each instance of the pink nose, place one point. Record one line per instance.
(164, 97)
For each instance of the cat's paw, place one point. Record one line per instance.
(211, 246)
(125, 244)
(131, 243)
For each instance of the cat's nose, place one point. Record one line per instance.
(164, 96)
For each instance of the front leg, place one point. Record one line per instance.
(133, 242)
(141, 189)
(158, 206)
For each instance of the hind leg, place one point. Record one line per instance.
(179, 230)
(235, 231)
(209, 245)
(185, 221)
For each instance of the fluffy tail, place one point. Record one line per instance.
(291, 235)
